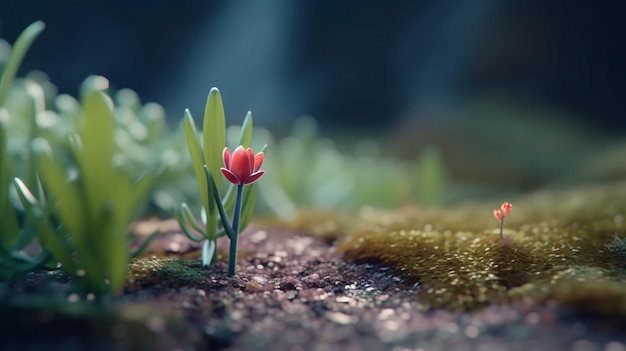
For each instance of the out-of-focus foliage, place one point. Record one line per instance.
(95, 200)
(305, 169)
(141, 136)
(17, 222)
(104, 155)
(17, 225)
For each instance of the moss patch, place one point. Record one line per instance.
(555, 247)
(172, 272)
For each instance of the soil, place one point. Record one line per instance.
(292, 291)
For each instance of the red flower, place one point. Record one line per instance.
(506, 208)
(503, 211)
(498, 214)
(242, 167)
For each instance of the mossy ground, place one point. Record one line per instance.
(173, 272)
(428, 273)
(555, 247)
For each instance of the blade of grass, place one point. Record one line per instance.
(145, 244)
(21, 46)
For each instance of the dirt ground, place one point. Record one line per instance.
(291, 292)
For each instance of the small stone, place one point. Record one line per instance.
(287, 285)
(341, 318)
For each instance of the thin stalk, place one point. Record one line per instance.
(501, 228)
(228, 229)
(232, 254)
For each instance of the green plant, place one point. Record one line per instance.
(15, 232)
(141, 137)
(207, 153)
(95, 200)
(17, 226)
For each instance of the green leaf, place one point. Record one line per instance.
(208, 250)
(38, 215)
(67, 195)
(185, 229)
(214, 132)
(213, 141)
(27, 198)
(216, 197)
(191, 220)
(98, 146)
(145, 244)
(245, 137)
(22, 44)
(249, 200)
(9, 229)
(197, 159)
(228, 200)
(29, 202)
(126, 196)
(91, 84)
(119, 262)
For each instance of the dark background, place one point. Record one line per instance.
(365, 66)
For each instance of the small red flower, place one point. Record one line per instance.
(498, 214)
(506, 208)
(501, 213)
(242, 167)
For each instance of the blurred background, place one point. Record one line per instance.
(515, 95)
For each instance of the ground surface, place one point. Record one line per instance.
(293, 292)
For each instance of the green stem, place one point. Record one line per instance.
(218, 201)
(232, 255)
(501, 228)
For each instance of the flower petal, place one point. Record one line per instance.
(250, 155)
(506, 208)
(254, 177)
(498, 214)
(258, 161)
(230, 176)
(226, 157)
(240, 164)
